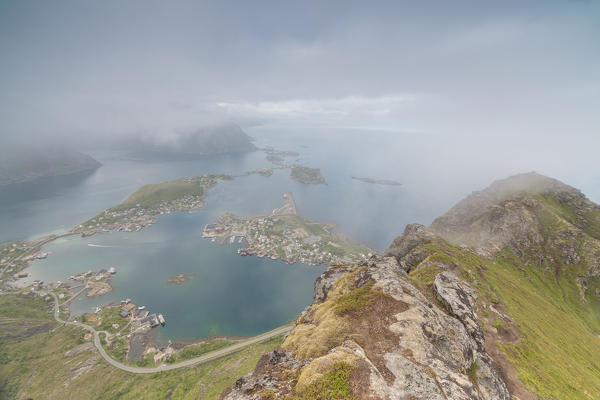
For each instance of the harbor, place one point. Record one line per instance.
(284, 235)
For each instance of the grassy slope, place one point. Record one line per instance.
(557, 354)
(38, 368)
(19, 313)
(154, 194)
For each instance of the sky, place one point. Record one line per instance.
(517, 81)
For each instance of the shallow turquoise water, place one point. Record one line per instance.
(229, 295)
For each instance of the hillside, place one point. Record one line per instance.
(498, 298)
(25, 164)
(214, 139)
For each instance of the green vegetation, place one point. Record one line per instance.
(334, 385)
(307, 175)
(108, 316)
(197, 350)
(117, 349)
(590, 222)
(425, 276)
(60, 365)
(155, 194)
(556, 356)
(139, 209)
(357, 299)
(472, 374)
(23, 315)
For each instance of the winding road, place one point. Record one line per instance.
(167, 367)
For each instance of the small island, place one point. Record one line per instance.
(286, 236)
(180, 279)
(307, 175)
(96, 283)
(377, 181)
(263, 171)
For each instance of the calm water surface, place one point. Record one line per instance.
(230, 294)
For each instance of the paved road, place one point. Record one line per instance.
(166, 367)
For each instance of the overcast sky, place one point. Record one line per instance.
(511, 70)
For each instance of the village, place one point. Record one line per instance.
(125, 326)
(286, 236)
(16, 256)
(141, 208)
(136, 217)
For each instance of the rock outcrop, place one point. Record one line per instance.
(407, 248)
(394, 343)
(459, 300)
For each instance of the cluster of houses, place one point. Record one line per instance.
(103, 273)
(141, 316)
(137, 217)
(276, 238)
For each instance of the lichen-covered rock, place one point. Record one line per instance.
(459, 300)
(396, 343)
(407, 248)
(324, 283)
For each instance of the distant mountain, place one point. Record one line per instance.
(215, 139)
(25, 164)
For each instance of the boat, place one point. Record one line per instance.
(161, 319)
(141, 307)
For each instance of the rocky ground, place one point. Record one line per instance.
(396, 343)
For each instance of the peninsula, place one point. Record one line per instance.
(27, 163)
(286, 236)
(140, 209)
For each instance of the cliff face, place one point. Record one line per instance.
(498, 299)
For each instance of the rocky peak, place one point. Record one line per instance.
(373, 329)
(407, 248)
(516, 212)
